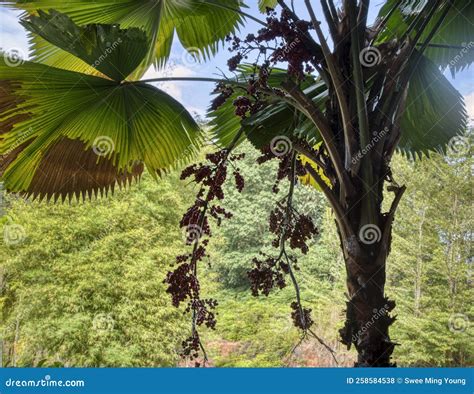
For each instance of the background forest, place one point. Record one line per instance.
(82, 284)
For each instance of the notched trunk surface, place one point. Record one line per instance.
(368, 314)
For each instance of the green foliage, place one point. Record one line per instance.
(454, 31)
(431, 262)
(247, 233)
(277, 119)
(199, 25)
(434, 111)
(135, 123)
(85, 287)
(114, 52)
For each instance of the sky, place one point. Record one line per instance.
(195, 96)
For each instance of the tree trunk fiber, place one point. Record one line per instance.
(367, 314)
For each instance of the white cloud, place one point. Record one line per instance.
(12, 34)
(469, 100)
(174, 89)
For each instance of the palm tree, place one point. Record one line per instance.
(76, 121)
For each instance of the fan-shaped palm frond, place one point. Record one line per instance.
(434, 111)
(78, 172)
(114, 52)
(200, 25)
(452, 45)
(64, 132)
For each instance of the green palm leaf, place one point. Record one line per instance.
(264, 4)
(277, 118)
(434, 112)
(200, 25)
(456, 30)
(64, 133)
(114, 52)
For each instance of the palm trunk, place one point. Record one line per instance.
(367, 315)
(367, 318)
(368, 309)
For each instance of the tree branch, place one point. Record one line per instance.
(289, 207)
(190, 79)
(341, 218)
(318, 118)
(316, 48)
(363, 12)
(332, 22)
(387, 231)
